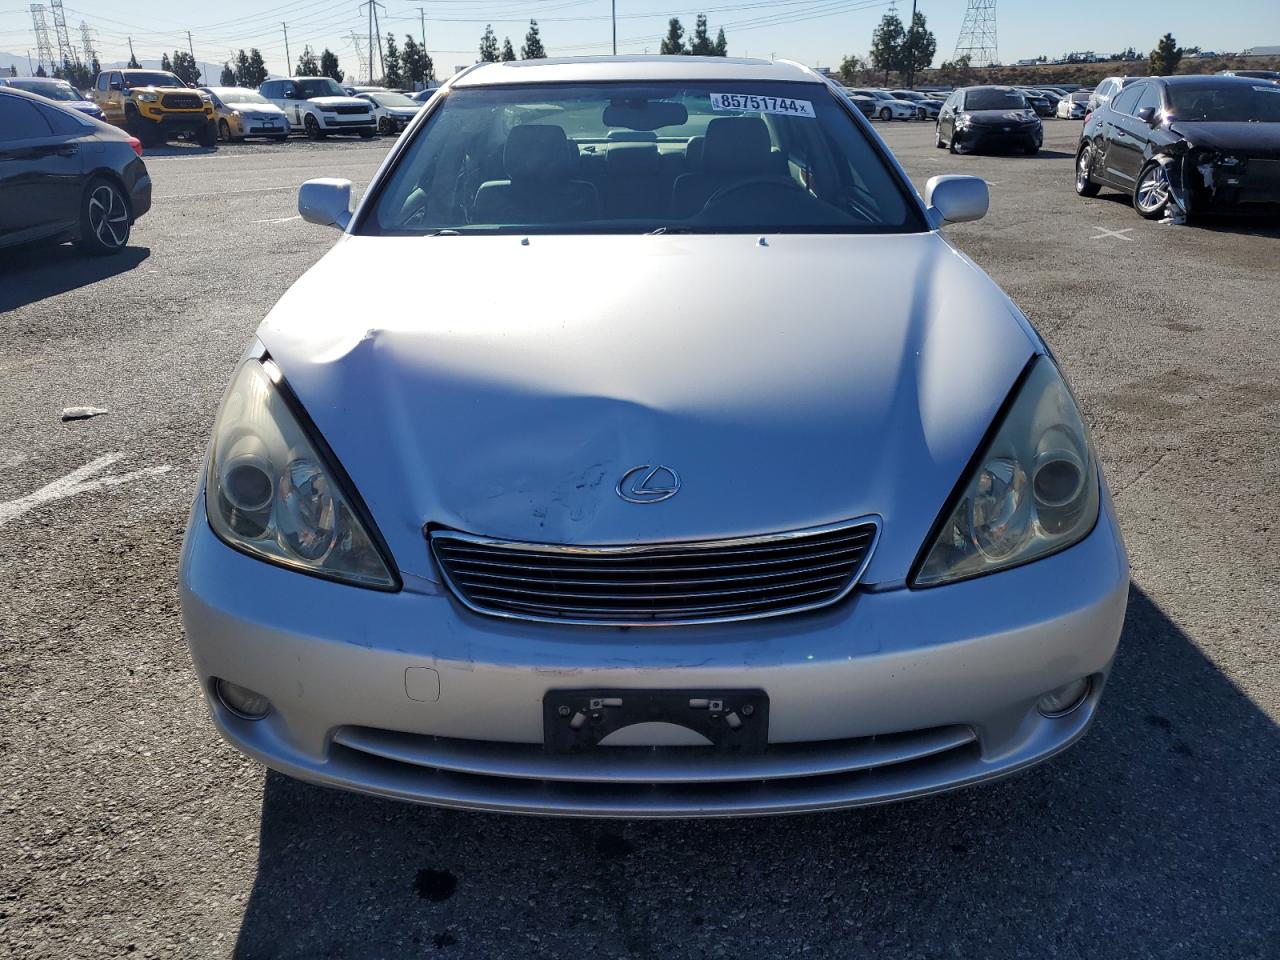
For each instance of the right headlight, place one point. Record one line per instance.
(271, 493)
(1033, 492)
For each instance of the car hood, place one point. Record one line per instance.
(258, 109)
(340, 102)
(1262, 137)
(997, 117)
(794, 382)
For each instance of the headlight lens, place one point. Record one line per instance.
(963, 121)
(149, 97)
(1034, 490)
(270, 493)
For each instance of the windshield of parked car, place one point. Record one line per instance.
(151, 78)
(241, 96)
(1081, 96)
(392, 100)
(731, 157)
(49, 89)
(994, 100)
(320, 87)
(907, 95)
(1225, 103)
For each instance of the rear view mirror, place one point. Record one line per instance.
(326, 201)
(955, 199)
(645, 114)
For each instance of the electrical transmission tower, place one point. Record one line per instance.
(66, 52)
(44, 49)
(86, 40)
(361, 59)
(978, 34)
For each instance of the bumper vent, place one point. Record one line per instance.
(657, 584)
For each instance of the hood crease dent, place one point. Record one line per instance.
(829, 378)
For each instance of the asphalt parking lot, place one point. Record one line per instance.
(128, 828)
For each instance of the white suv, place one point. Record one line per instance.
(320, 107)
(1107, 89)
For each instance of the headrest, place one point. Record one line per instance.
(537, 151)
(737, 145)
(693, 152)
(634, 159)
(634, 136)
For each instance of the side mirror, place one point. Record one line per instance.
(954, 199)
(115, 84)
(1147, 115)
(288, 94)
(327, 202)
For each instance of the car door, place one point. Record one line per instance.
(40, 170)
(1124, 135)
(113, 98)
(1148, 133)
(947, 117)
(292, 102)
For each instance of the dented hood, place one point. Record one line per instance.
(794, 382)
(1256, 138)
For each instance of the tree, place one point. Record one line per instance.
(673, 42)
(850, 67)
(95, 67)
(228, 78)
(886, 44)
(919, 46)
(40, 70)
(391, 59)
(701, 45)
(533, 48)
(307, 65)
(165, 63)
(185, 66)
(133, 64)
(722, 45)
(1165, 57)
(415, 62)
(508, 51)
(329, 65)
(256, 71)
(489, 45)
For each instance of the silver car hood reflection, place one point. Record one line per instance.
(790, 381)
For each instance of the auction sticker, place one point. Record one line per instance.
(759, 104)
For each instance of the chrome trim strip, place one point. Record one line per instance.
(649, 549)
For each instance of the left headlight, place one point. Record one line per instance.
(148, 97)
(1033, 492)
(271, 493)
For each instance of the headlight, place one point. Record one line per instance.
(271, 493)
(964, 121)
(148, 97)
(1033, 492)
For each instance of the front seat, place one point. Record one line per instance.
(540, 187)
(736, 149)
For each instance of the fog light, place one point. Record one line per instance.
(241, 701)
(1060, 702)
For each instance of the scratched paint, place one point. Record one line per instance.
(86, 479)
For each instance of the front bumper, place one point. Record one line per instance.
(243, 126)
(995, 138)
(885, 696)
(340, 123)
(175, 121)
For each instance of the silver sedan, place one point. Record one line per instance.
(701, 476)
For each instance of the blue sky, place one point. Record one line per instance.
(817, 32)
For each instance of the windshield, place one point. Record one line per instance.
(50, 90)
(320, 87)
(1081, 96)
(393, 100)
(623, 158)
(151, 78)
(241, 96)
(908, 95)
(994, 100)
(1233, 103)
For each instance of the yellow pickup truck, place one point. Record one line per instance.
(155, 106)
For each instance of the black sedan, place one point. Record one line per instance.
(67, 177)
(974, 118)
(1186, 145)
(1040, 102)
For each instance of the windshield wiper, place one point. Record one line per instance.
(443, 233)
(662, 230)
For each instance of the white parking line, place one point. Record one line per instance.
(76, 482)
(278, 219)
(1119, 234)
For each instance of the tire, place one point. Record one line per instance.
(144, 130)
(1031, 150)
(105, 223)
(313, 128)
(382, 126)
(224, 131)
(937, 137)
(281, 139)
(1085, 185)
(886, 113)
(921, 115)
(207, 136)
(1151, 194)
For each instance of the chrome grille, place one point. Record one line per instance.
(657, 584)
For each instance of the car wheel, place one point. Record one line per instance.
(886, 114)
(144, 130)
(104, 219)
(207, 136)
(1084, 173)
(1151, 196)
(1031, 149)
(224, 131)
(313, 128)
(920, 114)
(281, 139)
(382, 126)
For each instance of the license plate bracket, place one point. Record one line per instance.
(734, 721)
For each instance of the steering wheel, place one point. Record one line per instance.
(755, 183)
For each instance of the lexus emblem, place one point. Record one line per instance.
(648, 483)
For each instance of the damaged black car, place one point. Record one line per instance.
(1182, 146)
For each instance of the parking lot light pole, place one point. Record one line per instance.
(613, 6)
(911, 49)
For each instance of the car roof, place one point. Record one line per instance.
(589, 69)
(1193, 78)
